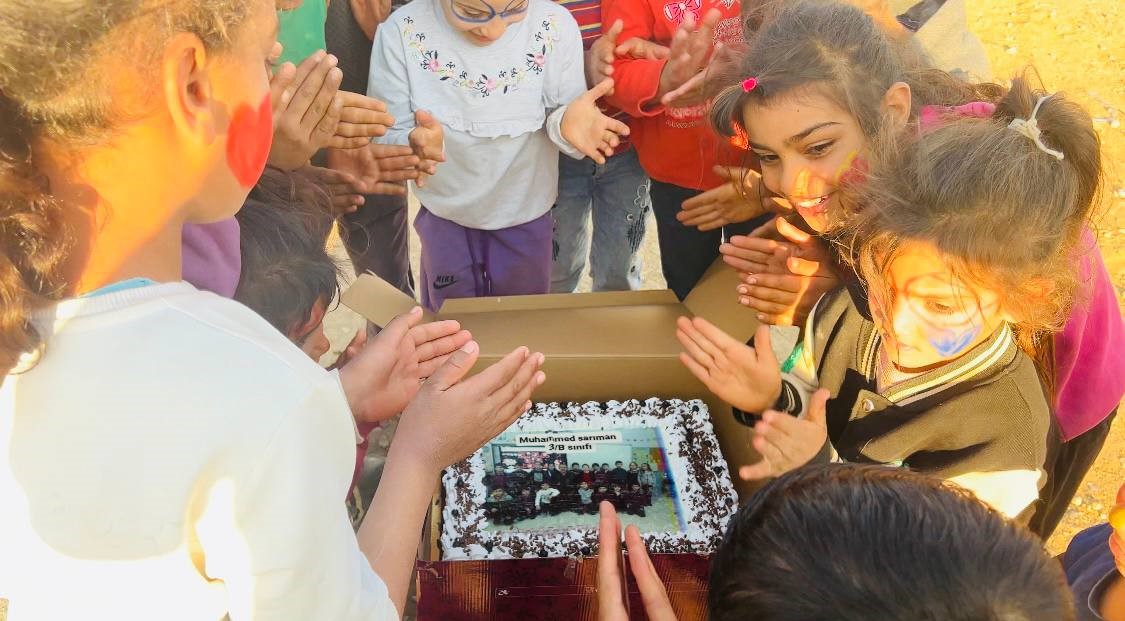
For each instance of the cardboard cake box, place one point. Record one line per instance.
(599, 346)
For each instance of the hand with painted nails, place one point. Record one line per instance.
(451, 417)
(748, 378)
(590, 131)
(786, 278)
(361, 119)
(786, 442)
(381, 168)
(427, 139)
(736, 200)
(306, 111)
(385, 375)
(345, 190)
(688, 54)
(611, 572)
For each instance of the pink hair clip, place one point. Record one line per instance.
(749, 84)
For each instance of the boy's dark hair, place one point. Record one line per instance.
(869, 543)
(285, 267)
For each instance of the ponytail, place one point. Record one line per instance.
(33, 243)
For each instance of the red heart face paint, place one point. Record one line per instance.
(248, 141)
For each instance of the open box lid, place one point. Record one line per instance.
(599, 346)
(619, 324)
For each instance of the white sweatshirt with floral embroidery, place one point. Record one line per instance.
(500, 106)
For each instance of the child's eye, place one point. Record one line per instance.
(939, 308)
(767, 158)
(820, 148)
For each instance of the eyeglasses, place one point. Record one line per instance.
(478, 16)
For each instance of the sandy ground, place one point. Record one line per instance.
(1076, 46)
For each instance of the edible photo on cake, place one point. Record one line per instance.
(534, 491)
(554, 480)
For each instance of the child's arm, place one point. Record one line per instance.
(389, 81)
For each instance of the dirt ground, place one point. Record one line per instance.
(1076, 46)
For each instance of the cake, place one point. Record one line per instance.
(671, 479)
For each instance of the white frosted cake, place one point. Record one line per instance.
(535, 489)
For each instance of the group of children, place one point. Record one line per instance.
(517, 494)
(932, 234)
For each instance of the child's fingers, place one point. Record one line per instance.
(691, 346)
(757, 471)
(653, 593)
(432, 331)
(765, 294)
(323, 99)
(790, 232)
(802, 267)
(742, 265)
(765, 307)
(721, 341)
(611, 603)
(325, 129)
(388, 189)
(775, 285)
(763, 347)
(765, 446)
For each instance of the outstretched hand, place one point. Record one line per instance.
(748, 378)
(385, 375)
(734, 201)
(380, 168)
(611, 574)
(591, 132)
(689, 53)
(784, 271)
(427, 139)
(306, 110)
(605, 50)
(451, 416)
(786, 442)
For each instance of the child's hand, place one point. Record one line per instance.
(428, 141)
(688, 54)
(786, 442)
(382, 378)
(382, 168)
(730, 203)
(345, 190)
(591, 132)
(786, 278)
(306, 111)
(747, 378)
(451, 417)
(611, 575)
(361, 119)
(605, 50)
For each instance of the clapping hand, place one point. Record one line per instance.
(590, 131)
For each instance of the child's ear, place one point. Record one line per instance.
(188, 89)
(896, 103)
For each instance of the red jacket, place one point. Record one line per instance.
(675, 145)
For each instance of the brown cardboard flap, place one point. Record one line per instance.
(458, 306)
(378, 300)
(614, 331)
(715, 298)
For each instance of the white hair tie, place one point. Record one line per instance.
(1030, 127)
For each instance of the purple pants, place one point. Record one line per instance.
(459, 262)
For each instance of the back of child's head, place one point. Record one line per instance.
(1003, 200)
(837, 49)
(871, 543)
(286, 271)
(57, 59)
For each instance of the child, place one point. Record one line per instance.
(955, 264)
(499, 507)
(585, 498)
(613, 196)
(601, 477)
(867, 88)
(241, 439)
(287, 276)
(1094, 563)
(525, 505)
(494, 90)
(676, 147)
(616, 497)
(544, 497)
(587, 475)
(917, 549)
(635, 500)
